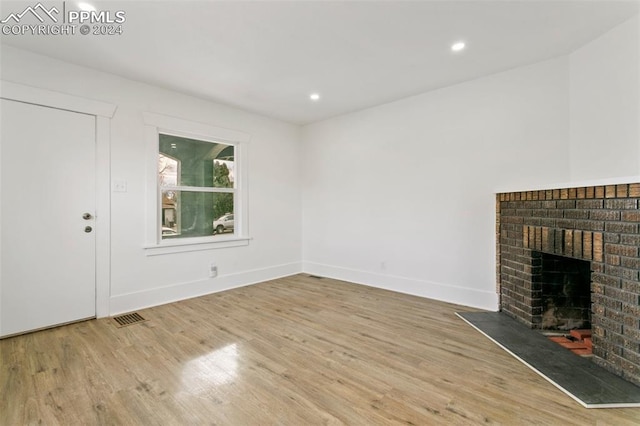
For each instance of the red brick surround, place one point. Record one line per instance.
(600, 224)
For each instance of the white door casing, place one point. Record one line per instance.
(99, 113)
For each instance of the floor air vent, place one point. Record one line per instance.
(316, 277)
(128, 319)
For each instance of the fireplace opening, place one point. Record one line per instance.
(564, 286)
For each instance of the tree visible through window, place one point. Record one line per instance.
(197, 187)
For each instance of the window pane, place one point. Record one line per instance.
(223, 173)
(190, 162)
(187, 214)
(168, 170)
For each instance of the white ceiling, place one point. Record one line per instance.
(267, 56)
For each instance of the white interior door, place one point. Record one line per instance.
(47, 184)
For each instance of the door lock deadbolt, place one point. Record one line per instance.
(87, 216)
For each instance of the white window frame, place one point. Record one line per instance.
(156, 124)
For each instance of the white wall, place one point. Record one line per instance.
(401, 196)
(605, 105)
(274, 187)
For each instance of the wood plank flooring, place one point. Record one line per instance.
(293, 351)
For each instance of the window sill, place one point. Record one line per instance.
(194, 244)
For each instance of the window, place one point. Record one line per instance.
(195, 186)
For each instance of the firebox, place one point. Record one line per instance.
(570, 259)
(565, 293)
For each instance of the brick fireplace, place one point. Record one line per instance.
(551, 242)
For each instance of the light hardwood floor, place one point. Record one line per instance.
(294, 351)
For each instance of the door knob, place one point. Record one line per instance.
(87, 216)
(88, 229)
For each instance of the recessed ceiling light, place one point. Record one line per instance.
(314, 96)
(86, 7)
(458, 46)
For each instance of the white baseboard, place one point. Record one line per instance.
(160, 296)
(446, 293)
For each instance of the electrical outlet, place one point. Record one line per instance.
(213, 270)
